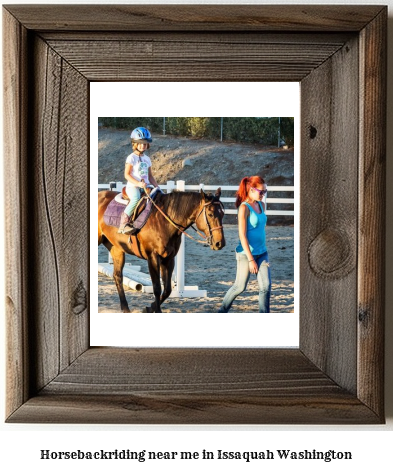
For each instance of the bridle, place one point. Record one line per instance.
(208, 237)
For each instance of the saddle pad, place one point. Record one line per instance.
(115, 209)
(113, 213)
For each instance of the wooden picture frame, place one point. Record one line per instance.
(338, 54)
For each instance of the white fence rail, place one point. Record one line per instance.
(181, 186)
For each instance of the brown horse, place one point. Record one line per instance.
(159, 240)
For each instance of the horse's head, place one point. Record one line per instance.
(209, 219)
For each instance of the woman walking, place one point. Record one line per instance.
(251, 251)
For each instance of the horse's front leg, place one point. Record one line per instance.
(118, 265)
(167, 266)
(154, 270)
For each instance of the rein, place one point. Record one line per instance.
(207, 239)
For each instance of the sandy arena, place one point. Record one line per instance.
(214, 272)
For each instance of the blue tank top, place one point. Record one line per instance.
(256, 235)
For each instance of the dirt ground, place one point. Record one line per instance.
(214, 272)
(210, 162)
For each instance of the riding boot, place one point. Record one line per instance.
(125, 226)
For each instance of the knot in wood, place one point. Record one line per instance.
(330, 254)
(313, 132)
(364, 316)
(79, 303)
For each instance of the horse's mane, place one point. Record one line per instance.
(178, 204)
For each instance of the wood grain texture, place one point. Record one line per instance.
(372, 198)
(53, 375)
(193, 17)
(59, 177)
(230, 60)
(156, 409)
(16, 256)
(328, 248)
(197, 385)
(200, 37)
(186, 371)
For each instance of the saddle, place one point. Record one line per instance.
(141, 213)
(122, 197)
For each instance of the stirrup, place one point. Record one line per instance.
(126, 229)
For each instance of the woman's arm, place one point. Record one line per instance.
(242, 220)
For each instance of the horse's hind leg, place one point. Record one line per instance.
(167, 266)
(154, 270)
(118, 265)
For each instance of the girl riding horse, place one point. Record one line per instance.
(138, 174)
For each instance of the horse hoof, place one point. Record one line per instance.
(126, 310)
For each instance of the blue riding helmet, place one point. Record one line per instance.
(141, 135)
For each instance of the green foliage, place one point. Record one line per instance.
(249, 129)
(287, 126)
(262, 130)
(121, 123)
(177, 126)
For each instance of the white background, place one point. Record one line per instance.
(370, 445)
(198, 99)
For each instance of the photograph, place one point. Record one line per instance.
(196, 214)
(223, 64)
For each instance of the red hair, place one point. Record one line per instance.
(245, 185)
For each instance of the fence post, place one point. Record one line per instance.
(180, 258)
(171, 186)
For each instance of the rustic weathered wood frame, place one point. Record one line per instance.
(338, 53)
